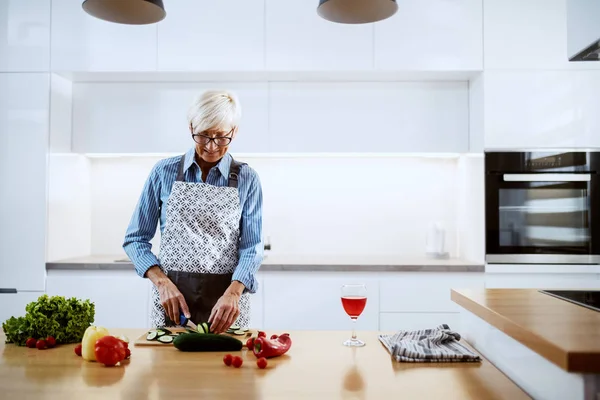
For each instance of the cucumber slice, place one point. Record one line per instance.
(161, 333)
(239, 332)
(245, 329)
(151, 335)
(165, 330)
(165, 339)
(234, 327)
(206, 327)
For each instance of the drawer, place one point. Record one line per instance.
(425, 292)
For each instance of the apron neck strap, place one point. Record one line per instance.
(234, 173)
(180, 177)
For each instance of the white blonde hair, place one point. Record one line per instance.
(214, 109)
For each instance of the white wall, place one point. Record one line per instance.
(312, 205)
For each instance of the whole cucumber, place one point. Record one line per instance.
(206, 342)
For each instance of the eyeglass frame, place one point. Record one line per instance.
(213, 139)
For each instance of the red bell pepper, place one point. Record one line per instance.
(109, 350)
(269, 348)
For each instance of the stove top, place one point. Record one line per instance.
(585, 298)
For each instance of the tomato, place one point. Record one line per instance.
(109, 350)
(262, 363)
(40, 344)
(228, 359)
(250, 343)
(30, 343)
(78, 349)
(237, 361)
(127, 353)
(50, 341)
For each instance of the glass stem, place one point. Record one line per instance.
(353, 328)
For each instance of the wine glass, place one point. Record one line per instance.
(354, 299)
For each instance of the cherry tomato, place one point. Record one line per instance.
(50, 341)
(78, 349)
(30, 343)
(237, 361)
(262, 363)
(127, 353)
(228, 359)
(40, 344)
(250, 343)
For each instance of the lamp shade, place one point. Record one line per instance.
(133, 12)
(356, 11)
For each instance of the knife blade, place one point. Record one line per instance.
(183, 321)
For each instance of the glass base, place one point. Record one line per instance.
(354, 343)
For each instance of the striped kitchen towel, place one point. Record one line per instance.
(428, 345)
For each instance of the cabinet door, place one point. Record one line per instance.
(24, 128)
(369, 117)
(13, 304)
(81, 42)
(121, 298)
(24, 37)
(431, 35)
(312, 301)
(200, 35)
(549, 109)
(151, 117)
(298, 39)
(528, 34)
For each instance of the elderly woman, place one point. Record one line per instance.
(210, 212)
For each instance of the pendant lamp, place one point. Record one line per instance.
(356, 11)
(132, 12)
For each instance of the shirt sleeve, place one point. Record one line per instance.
(142, 226)
(251, 247)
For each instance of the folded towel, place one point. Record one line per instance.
(428, 345)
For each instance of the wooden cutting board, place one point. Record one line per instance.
(141, 340)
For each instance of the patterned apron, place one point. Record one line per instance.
(199, 246)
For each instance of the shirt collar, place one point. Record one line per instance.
(222, 165)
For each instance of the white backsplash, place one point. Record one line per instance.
(380, 205)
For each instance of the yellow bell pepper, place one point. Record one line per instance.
(88, 342)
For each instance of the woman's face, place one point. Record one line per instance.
(212, 145)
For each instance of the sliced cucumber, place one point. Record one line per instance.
(165, 339)
(234, 327)
(206, 327)
(245, 329)
(161, 333)
(151, 336)
(165, 330)
(239, 332)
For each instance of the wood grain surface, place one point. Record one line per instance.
(564, 333)
(317, 366)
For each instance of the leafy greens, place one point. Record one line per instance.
(64, 319)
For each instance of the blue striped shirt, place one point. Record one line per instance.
(155, 193)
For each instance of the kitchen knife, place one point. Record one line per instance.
(183, 321)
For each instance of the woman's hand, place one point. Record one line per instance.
(170, 297)
(224, 313)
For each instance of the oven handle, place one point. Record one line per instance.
(547, 177)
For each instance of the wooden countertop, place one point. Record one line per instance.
(317, 366)
(564, 333)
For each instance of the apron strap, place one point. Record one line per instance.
(180, 177)
(234, 173)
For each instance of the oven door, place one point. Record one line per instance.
(542, 218)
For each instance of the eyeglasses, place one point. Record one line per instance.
(204, 140)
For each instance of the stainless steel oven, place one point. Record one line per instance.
(542, 207)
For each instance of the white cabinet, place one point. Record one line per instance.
(24, 35)
(528, 34)
(151, 117)
(369, 117)
(24, 128)
(13, 304)
(431, 35)
(312, 301)
(81, 42)
(298, 39)
(121, 298)
(542, 281)
(424, 291)
(393, 322)
(200, 35)
(549, 109)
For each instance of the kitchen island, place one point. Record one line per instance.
(550, 347)
(317, 366)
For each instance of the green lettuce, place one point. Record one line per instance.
(64, 319)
